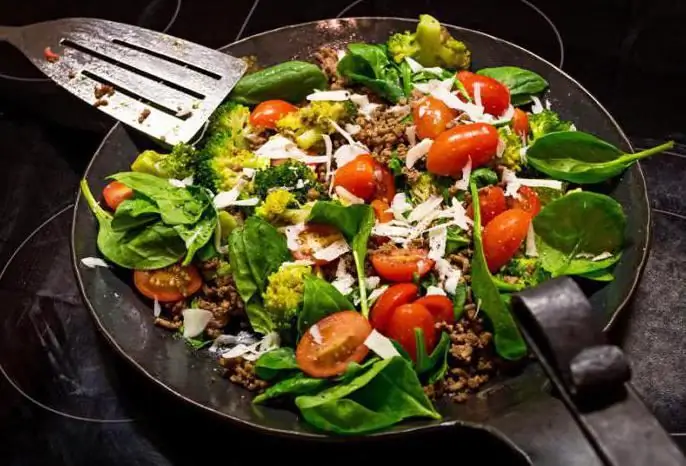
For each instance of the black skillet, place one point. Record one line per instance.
(515, 405)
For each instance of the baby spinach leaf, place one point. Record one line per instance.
(199, 234)
(135, 212)
(265, 249)
(598, 275)
(260, 320)
(320, 298)
(240, 269)
(368, 64)
(354, 369)
(521, 83)
(582, 158)
(431, 367)
(388, 392)
(459, 300)
(456, 240)
(275, 363)
(508, 341)
(299, 384)
(572, 229)
(406, 78)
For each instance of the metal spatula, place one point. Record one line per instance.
(159, 84)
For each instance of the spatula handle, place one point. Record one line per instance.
(5, 32)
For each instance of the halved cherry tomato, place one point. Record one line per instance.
(267, 113)
(358, 176)
(401, 265)
(491, 203)
(528, 201)
(520, 123)
(495, 97)
(503, 236)
(453, 148)
(431, 116)
(115, 193)
(402, 323)
(385, 183)
(314, 237)
(342, 342)
(440, 307)
(169, 284)
(380, 207)
(394, 296)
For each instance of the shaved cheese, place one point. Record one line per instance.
(547, 104)
(313, 159)
(345, 134)
(522, 152)
(195, 321)
(500, 149)
(463, 183)
(411, 133)
(344, 284)
(300, 184)
(417, 152)
(540, 183)
(399, 111)
(458, 214)
(176, 183)
(536, 107)
(433, 85)
(531, 249)
(332, 251)
(249, 173)
(224, 199)
(252, 352)
(381, 345)
(296, 263)
(352, 129)
(279, 147)
(477, 95)
(602, 256)
(434, 291)
(438, 239)
(316, 334)
(243, 338)
(513, 183)
(474, 112)
(363, 105)
(415, 66)
(156, 308)
(421, 226)
(372, 282)
(425, 208)
(347, 153)
(246, 202)
(392, 231)
(376, 294)
(293, 236)
(399, 205)
(347, 196)
(449, 275)
(329, 154)
(92, 262)
(331, 96)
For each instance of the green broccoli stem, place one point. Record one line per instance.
(101, 214)
(359, 267)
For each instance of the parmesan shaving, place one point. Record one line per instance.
(344, 284)
(329, 154)
(376, 294)
(399, 111)
(463, 183)
(279, 147)
(252, 352)
(253, 201)
(331, 96)
(531, 249)
(415, 66)
(536, 107)
(316, 334)
(399, 206)
(92, 262)
(381, 345)
(293, 236)
(156, 308)
(352, 129)
(411, 133)
(438, 239)
(477, 95)
(195, 321)
(434, 290)
(602, 256)
(347, 153)
(363, 105)
(372, 282)
(332, 251)
(347, 196)
(425, 208)
(449, 275)
(243, 337)
(417, 152)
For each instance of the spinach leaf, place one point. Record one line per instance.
(355, 222)
(388, 392)
(354, 369)
(177, 205)
(199, 234)
(260, 320)
(275, 362)
(582, 158)
(320, 298)
(508, 341)
(135, 212)
(521, 83)
(368, 64)
(432, 367)
(265, 249)
(598, 275)
(484, 177)
(456, 240)
(459, 300)
(579, 224)
(406, 78)
(240, 269)
(299, 384)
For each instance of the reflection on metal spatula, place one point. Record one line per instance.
(159, 84)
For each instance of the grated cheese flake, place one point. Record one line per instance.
(425, 208)
(195, 321)
(411, 133)
(438, 239)
(363, 105)
(381, 345)
(418, 151)
(92, 262)
(463, 183)
(293, 236)
(347, 196)
(280, 147)
(331, 96)
(531, 249)
(434, 290)
(156, 308)
(536, 107)
(316, 334)
(352, 129)
(332, 251)
(376, 294)
(347, 153)
(399, 206)
(602, 256)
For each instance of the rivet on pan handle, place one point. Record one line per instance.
(591, 376)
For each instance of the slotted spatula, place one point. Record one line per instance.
(161, 85)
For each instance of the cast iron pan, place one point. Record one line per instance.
(126, 319)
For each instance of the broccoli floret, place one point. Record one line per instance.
(528, 270)
(547, 122)
(512, 155)
(275, 205)
(431, 45)
(422, 187)
(230, 118)
(177, 164)
(295, 176)
(284, 294)
(308, 124)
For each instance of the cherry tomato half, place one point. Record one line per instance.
(385, 183)
(495, 97)
(115, 193)
(453, 148)
(431, 116)
(528, 201)
(440, 307)
(342, 342)
(169, 284)
(491, 203)
(313, 238)
(402, 323)
(401, 265)
(267, 113)
(520, 123)
(358, 176)
(394, 296)
(380, 207)
(503, 236)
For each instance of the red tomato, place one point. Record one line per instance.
(403, 322)
(491, 203)
(401, 265)
(115, 193)
(313, 238)
(394, 296)
(453, 148)
(495, 97)
(520, 123)
(440, 307)
(169, 284)
(431, 116)
(358, 176)
(267, 113)
(503, 236)
(528, 201)
(385, 183)
(342, 342)
(380, 207)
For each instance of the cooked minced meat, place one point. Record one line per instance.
(328, 61)
(242, 372)
(384, 133)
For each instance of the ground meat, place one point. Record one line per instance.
(144, 115)
(168, 324)
(103, 90)
(100, 103)
(221, 298)
(383, 133)
(242, 372)
(256, 138)
(328, 61)
(462, 260)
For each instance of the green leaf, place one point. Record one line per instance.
(299, 384)
(354, 369)
(367, 64)
(133, 213)
(582, 158)
(456, 240)
(240, 269)
(508, 341)
(406, 78)
(199, 234)
(388, 392)
(484, 177)
(459, 300)
(434, 366)
(598, 275)
(521, 83)
(260, 320)
(320, 298)
(275, 363)
(265, 249)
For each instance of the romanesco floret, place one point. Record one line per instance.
(422, 187)
(276, 205)
(284, 294)
(528, 270)
(221, 162)
(295, 176)
(512, 155)
(547, 122)
(308, 124)
(177, 164)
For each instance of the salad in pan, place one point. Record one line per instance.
(345, 236)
